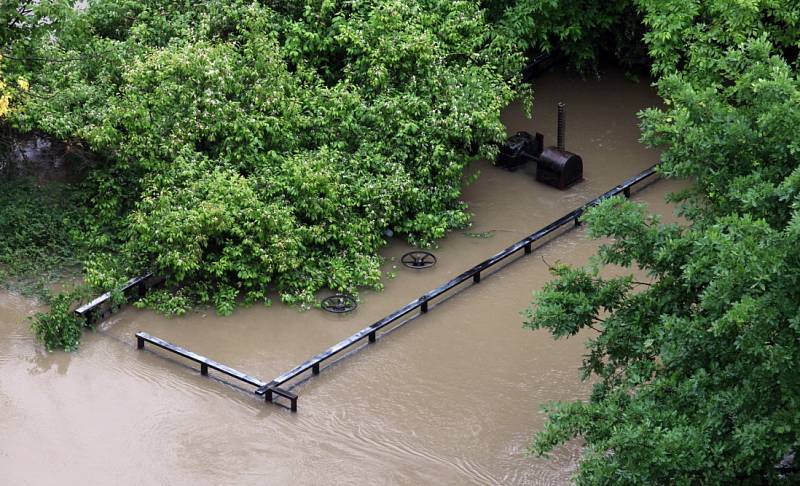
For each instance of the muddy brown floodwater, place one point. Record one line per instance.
(452, 397)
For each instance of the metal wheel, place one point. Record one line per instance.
(339, 303)
(419, 259)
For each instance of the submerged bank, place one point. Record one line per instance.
(451, 398)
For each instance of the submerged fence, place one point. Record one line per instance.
(206, 363)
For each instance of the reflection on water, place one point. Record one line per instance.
(451, 398)
(42, 362)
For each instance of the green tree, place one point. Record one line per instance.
(694, 367)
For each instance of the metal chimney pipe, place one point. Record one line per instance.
(562, 125)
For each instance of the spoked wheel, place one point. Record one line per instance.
(339, 304)
(419, 259)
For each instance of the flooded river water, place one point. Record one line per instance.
(452, 397)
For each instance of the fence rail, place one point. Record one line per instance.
(101, 306)
(474, 273)
(206, 363)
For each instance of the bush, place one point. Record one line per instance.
(253, 148)
(40, 238)
(59, 328)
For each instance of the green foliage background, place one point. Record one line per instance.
(39, 241)
(695, 368)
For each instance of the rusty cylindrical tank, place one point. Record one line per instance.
(556, 166)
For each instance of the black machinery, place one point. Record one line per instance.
(555, 166)
(519, 150)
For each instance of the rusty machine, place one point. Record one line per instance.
(519, 150)
(555, 166)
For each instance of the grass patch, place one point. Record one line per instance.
(40, 236)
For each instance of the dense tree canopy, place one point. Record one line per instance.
(695, 368)
(244, 147)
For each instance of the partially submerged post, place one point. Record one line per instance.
(562, 126)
